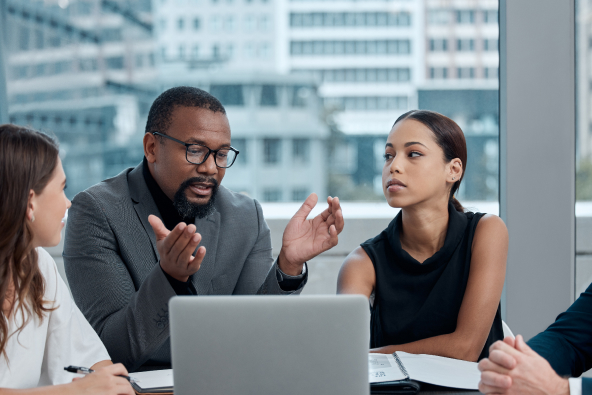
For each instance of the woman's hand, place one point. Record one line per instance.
(104, 381)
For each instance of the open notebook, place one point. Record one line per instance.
(404, 367)
(153, 382)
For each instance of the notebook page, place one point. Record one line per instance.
(442, 371)
(154, 379)
(383, 367)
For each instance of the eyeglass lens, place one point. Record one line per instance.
(196, 154)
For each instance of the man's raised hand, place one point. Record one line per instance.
(176, 248)
(306, 238)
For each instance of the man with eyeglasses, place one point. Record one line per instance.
(168, 227)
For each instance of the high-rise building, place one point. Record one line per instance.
(74, 70)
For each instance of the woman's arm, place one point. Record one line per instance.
(356, 275)
(480, 302)
(105, 381)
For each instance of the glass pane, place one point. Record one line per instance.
(583, 272)
(311, 87)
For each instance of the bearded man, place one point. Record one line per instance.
(168, 227)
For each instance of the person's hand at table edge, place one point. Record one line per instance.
(514, 368)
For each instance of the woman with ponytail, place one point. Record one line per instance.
(41, 329)
(435, 274)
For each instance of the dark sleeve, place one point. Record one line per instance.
(567, 343)
(586, 386)
(291, 283)
(132, 323)
(180, 287)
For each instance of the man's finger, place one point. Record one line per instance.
(487, 364)
(159, 229)
(184, 246)
(195, 261)
(117, 369)
(493, 379)
(338, 215)
(509, 340)
(173, 236)
(186, 254)
(500, 345)
(522, 346)
(489, 390)
(306, 208)
(503, 359)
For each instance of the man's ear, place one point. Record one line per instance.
(455, 171)
(150, 148)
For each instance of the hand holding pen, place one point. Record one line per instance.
(110, 380)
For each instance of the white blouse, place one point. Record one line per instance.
(37, 355)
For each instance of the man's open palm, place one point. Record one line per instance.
(306, 238)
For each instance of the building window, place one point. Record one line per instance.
(195, 51)
(348, 48)
(241, 146)
(268, 96)
(215, 23)
(265, 52)
(272, 195)
(249, 23)
(490, 16)
(465, 44)
(345, 19)
(490, 72)
(272, 151)
(301, 150)
(196, 24)
(114, 63)
(181, 24)
(490, 44)
(438, 73)
(439, 17)
(264, 23)
(181, 51)
(365, 103)
(229, 23)
(299, 95)
(299, 194)
(229, 95)
(465, 16)
(438, 44)
(465, 72)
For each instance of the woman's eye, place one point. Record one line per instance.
(387, 157)
(414, 154)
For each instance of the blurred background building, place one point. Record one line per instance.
(311, 87)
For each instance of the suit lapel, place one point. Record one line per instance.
(209, 229)
(143, 203)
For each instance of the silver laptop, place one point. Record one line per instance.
(270, 345)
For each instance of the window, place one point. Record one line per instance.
(465, 44)
(465, 72)
(300, 194)
(341, 19)
(241, 145)
(438, 72)
(465, 16)
(490, 72)
(114, 63)
(490, 44)
(301, 150)
(438, 17)
(268, 96)
(438, 44)
(196, 24)
(361, 47)
(180, 24)
(229, 95)
(272, 151)
(229, 23)
(272, 195)
(490, 16)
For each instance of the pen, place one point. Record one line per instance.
(81, 370)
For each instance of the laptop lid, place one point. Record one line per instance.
(270, 345)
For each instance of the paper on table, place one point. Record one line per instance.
(446, 372)
(154, 379)
(383, 367)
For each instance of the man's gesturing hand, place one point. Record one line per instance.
(176, 248)
(514, 368)
(306, 238)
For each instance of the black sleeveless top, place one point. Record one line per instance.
(413, 300)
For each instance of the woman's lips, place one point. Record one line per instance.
(395, 187)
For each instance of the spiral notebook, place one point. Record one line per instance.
(404, 368)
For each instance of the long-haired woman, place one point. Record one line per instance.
(436, 273)
(41, 329)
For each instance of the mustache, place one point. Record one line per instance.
(198, 180)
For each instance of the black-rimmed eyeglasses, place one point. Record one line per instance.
(198, 154)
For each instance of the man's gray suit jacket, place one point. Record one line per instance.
(112, 263)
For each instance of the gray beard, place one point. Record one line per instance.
(186, 209)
